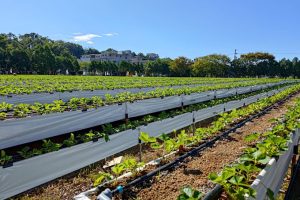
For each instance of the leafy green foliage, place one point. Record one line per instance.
(101, 177)
(71, 141)
(49, 146)
(236, 179)
(127, 165)
(58, 84)
(131, 165)
(252, 137)
(146, 138)
(188, 193)
(4, 158)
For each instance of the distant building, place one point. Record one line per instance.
(114, 56)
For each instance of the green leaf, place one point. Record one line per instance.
(265, 160)
(213, 176)
(164, 137)
(252, 137)
(270, 194)
(236, 180)
(188, 193)
(155, 145)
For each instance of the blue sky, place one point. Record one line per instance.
(170, 28)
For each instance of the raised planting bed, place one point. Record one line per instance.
(182, 139)
(260, 171)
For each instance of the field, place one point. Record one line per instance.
(172, 137)
(27, 84)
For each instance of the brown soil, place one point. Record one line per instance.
(166, 185)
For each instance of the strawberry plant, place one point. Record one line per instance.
(117, 170)
(188, 193)
(71, 141)
(27, 153)
(146, 138)
(131, 165)
(237, 178)
(87, 137)
(3, 115)
(103, 135)
(49, 146)
(5, 107)
(102, 177)
(4, 158)
(94, 102)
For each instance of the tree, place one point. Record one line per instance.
(19, 61)
(181, 66)
(258, 64)
(74, 49)
(124, 67)
(286, 67)
(21, 54)
(93, 67)
(157, 67)
(91, 51)
(2, 60)
(212, 65)
(296, 67)
(44, 60)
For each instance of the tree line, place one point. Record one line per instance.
(258, 64)
(35, 54)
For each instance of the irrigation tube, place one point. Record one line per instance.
(191, 153)
(214, 193)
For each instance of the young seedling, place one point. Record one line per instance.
(71, 141)
(188, 193)
(102, 177)
(4, 158)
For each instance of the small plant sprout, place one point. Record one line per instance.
(188, 193)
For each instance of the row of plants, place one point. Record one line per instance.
(109, 129)
(186, 141)
(237, 178)
(26, 84)
(50, 146)
(22, 110)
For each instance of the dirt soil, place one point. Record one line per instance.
(167, 185)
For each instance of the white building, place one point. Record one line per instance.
(118, 56)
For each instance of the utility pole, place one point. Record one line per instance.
(235, 54)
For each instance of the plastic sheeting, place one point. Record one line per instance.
(153, 105)
(32, 172)
(17, 132)
(65, 96)
(22, 131)
(273, 174)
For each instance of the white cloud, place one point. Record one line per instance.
(86, 38)
(110, 34)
